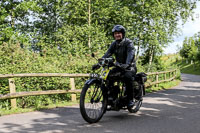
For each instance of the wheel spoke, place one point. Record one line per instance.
(93, 102)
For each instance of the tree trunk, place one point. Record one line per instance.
(89, 22)
(151, 58)
(12, 19)
(138, 51)
(194, 65)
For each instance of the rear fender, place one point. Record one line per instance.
(143, 89)
(141, 77)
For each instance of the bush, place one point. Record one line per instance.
(15, 59)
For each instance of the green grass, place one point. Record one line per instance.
(189, 68)
(168, 60)
(176, 60)
(24, 110)
(163, 86)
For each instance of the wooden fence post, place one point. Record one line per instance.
(157, 79)
(172, 75)
(175, 73)
(165, 75)
(72, 84)
(12, 90)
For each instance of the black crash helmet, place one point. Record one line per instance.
(119, 28)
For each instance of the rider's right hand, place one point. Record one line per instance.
(95, 67)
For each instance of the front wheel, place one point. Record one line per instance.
(92, 102)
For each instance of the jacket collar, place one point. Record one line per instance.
(120, 43)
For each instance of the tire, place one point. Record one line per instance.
(138, 103)
(92, 102)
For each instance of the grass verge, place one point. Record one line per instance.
(24, 110)
(189, 68)
(163, 86)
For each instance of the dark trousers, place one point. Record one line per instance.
(127, 76)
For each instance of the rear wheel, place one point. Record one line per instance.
(92, 102)
(137, 101)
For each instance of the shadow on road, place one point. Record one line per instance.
(190, 78)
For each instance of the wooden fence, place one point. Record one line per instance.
(153, 79)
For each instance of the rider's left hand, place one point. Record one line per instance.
(124, 66)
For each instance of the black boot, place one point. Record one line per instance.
(130, 104)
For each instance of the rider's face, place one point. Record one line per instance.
(118, 35)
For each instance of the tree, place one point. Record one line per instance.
(155, 23)
(78, 26)
(189, 50)
(193, 51)
(15, 21)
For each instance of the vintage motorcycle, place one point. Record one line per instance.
(97, 96)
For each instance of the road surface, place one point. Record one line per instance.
(176, 110)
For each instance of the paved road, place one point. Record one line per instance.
(176, 110)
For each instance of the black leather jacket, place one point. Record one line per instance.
(124, 52)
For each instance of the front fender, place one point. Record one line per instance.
(89, 81)
(103, 87)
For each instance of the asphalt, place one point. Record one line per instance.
(175, 110)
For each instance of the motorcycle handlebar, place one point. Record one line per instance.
(105, 61)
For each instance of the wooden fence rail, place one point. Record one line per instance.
(13, 94)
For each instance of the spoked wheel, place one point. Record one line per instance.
(92, 102)
(138, 103)
(136, 107)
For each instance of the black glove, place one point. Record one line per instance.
(95, 67)
(123, 66)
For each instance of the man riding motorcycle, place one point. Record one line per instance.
(123, 50)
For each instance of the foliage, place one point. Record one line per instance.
(188, 68)
(191, 48)
(15, 59)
